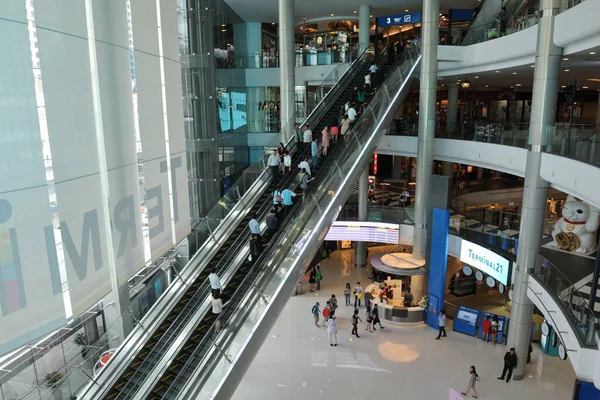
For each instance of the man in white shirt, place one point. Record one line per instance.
(368, 81)
(307, 138)
(351, 114)
(332, 331)
(215, 282)
(304, 164)
(273, 163)
(254, 226)
(357, 294)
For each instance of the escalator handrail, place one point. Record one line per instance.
(324, 217)
(143, 333)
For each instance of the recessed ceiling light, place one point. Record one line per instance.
(563, 86)
(476, 77)
(223, 30)
(355, 12)
(497, 72)
(512, 87)
(458, 81)
(442, 85)
(223, 25)
(371, 16)
(332, 15)
(405, 10)
(517, 84)
(532, 66)
(514, 73)
(440, 15)
(592, 53)
(272, 23)
(486, 85)
(567, 70)
(586, 87)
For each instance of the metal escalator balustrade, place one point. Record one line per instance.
(223, 361)
(182, 314)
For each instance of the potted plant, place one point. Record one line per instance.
(423, 303)
(53, 381)
(81, 341)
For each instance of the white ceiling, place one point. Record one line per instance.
(267, 10)
(581, 66)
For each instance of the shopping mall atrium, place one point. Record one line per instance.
(285, 199)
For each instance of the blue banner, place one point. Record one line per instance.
(461, 15)
(437, 264)
(399, 19)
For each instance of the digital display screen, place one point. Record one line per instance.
(467, 316)
(485, 260)
(364, 232)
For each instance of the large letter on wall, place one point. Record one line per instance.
(65, 65)
(170, 40)
(112, 45)
(151, 122)
(29, 304)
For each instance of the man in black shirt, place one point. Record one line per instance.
(272, 223)
(510, 362)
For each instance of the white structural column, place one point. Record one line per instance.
(452, 107)
(287, 63)
(543, 113)
(598, 113)
(364, 27)
(427, 97)
(360, 249)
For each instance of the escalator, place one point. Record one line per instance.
(186, 323)
(218, 362)
(489, 17)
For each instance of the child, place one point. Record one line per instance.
(315, 313)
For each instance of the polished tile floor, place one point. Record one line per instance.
(296, 361)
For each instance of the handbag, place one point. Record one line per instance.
(359, 295)
(278, 199)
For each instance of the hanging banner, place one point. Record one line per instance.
(64, 59)
(31, 299)
(152, 127)
(399, 19)
(112, 49)
(180, 190)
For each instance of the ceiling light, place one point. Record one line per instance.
(486, 85)
(476, 77)
(511, 86)
(440, 15)
(465, 84)
(517, 84)
(566, 59)
(355, 12)
(594, 80)
(272, 23)
(514, 73)
(371, 16)
(532, 66)
(332, 15)
(405, 10)
(592, 53)
(442, 85)
(223, 25)
(586, 87)
(563, 86)
(497, 72)
(223, 30)
(458, 81)
(567, 70)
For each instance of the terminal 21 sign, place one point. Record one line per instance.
(485, 260)
(399, 19)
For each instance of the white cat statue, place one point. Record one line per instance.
(576, 230)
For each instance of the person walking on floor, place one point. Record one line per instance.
(312, 278)
(357, 294)
(510, 362)
(369, 317)
(319, 276)
(355, 319)
(376, 319)
(473, 378)
(327, 312)
(274, 163)
(315, 312)
(347, 290)
(442, 324)
(334, 304)
(332, 331)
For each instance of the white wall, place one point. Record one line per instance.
(570, 176)
(313, 75)
(576, 30)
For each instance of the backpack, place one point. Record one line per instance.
(315, 310)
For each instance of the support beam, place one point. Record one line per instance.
(287, 63)
(364, 26)
(360, 249)
(543, 114)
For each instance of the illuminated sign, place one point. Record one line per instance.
(379, 232)
(399, 19)
(485, 260)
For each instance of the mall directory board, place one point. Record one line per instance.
(465, 320)
(501, 326)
